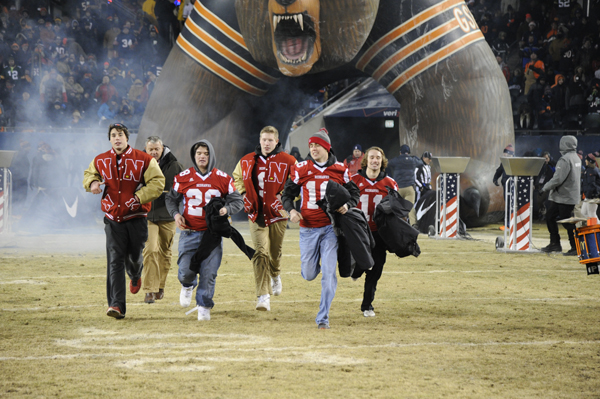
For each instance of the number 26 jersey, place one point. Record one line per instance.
(197, 191)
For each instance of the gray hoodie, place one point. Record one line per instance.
(565, 185)
(233, 202)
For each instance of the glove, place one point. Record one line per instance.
(496, 182)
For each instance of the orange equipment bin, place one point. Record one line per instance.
(588, 248)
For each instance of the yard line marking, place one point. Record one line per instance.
(303, 350)
(34, 282)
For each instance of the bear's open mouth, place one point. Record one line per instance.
(294, 37)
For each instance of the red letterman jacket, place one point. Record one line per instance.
(278, 167)
(137, 174)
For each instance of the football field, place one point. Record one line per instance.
(459, 321)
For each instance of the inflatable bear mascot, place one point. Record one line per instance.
(239, 65)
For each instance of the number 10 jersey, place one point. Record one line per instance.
(313, 180)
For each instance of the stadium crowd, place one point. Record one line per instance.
(84, 64)
(549, 54)
(92, 62)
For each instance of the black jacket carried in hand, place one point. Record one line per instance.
(397, 234)
(352, 230)
(218, 226)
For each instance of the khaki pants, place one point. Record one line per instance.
(409, 194)
(157, 255)
(267, 258)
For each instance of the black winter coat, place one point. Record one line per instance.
(399, 236)
(170, 168)
(352, 229)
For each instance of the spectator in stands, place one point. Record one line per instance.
(134, 96)
(556, 46)
(533, 70)
(575, 95)
(28, 111)
(22, 56)
(12, 71)
(52, 87)
(558, 98)
(88, 40)
(110, 40)
(105, 91)
(108, 111)
(57, 114)
(500, 47)
(524, 27)
(551, 34)
(516, 85)
(526, 49)
(546, 113)
(585, 55)
(535, 97)
(73, 87)
(593, 100)
(126, 42)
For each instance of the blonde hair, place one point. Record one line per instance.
(270, 130)
(384, 160)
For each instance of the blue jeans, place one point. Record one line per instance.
(320, 244)
(189, 241)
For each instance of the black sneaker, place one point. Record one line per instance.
(552, 248)
(323, 326)
(571, 252)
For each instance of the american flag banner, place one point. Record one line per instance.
(520, 214)
(449, 205)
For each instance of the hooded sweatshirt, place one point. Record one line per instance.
(565, 185)
(204, 186)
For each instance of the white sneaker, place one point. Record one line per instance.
(369, 313)
(276, 285)
(203, 313)
(185, 297)
(264, 303)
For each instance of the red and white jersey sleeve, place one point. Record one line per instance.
(198, 190)
(371, 193)
(313, 180)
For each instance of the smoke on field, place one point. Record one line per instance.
(47, 174)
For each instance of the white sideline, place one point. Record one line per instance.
(306, 350)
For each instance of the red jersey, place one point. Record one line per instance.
(371, 193)
(313, 179)
(197, 192)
